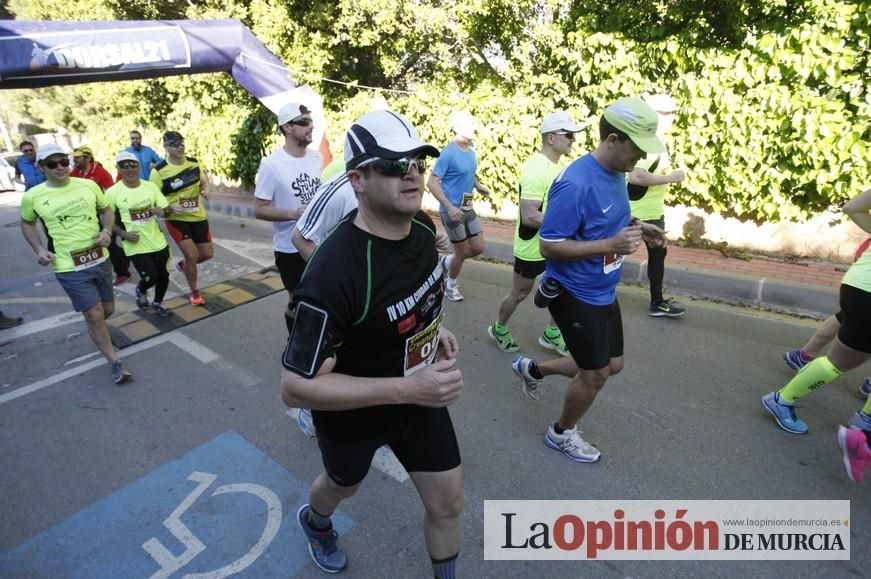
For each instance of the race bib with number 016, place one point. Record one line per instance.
(87, 257)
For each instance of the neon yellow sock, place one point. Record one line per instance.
(552, 332)
(867, 408)
(819, 372)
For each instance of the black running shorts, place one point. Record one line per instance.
(528, 269)
(593, 334)
(425, 444)
(855, 331)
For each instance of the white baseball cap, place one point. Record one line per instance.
(661, 103)
(47, 150)
(125, 156)
(559, 121)
(291, 111)
(463, 124)
(386, 135)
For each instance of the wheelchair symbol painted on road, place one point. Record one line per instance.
(170, 563)
(223, 509)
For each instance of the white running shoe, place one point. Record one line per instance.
(528, 384)
(572, 445)
(306, 422)
(452, 292)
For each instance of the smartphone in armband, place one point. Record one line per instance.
(304, 350)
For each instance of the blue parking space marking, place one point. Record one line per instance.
(223, 508)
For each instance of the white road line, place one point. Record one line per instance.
(256, 251)
(42, 325)
(194, 348)
(384, 459)
(186, 344)
(36, 386)
(81, 358)
(54, 300)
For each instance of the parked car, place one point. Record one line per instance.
(7, 172)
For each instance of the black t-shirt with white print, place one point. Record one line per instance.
(383, 300)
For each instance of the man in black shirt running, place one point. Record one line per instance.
(367, 351)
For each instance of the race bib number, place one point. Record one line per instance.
(140, 214)
(87, 257)
(467, 200)
(612, 262)
(420, 349)
(189, 205)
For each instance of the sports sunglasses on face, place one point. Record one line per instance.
(53, 164)
(397, 167)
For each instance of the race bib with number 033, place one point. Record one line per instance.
(612, 262)
(140, 214)
(87, 257)
(189, 205)
(420, 349)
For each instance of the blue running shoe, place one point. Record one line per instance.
(865, 388)
(783, 413)
(795, 360)
(322, 546)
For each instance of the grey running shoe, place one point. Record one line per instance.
(323, 546)
(529, 385)
(572, 445)
(306, 422)
(141, 299)
(119, 374)
(160, 309)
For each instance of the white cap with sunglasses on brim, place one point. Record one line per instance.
(383, 135)
(292, 111)
(126, 156)
(559, 121)
(47, 150)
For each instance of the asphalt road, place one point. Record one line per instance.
(89, 471)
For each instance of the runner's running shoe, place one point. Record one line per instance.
(865, 388)
(196, 299)
(529, 385)
(323, 546)
(120, 280)
(854, 452)
(306, 422)
(504, 339)
(179, 265)
(796, 360)
(160, 309)
(783, 413)
(665, 309)
(572, 445)
(119, 374)
(141, 299)
(452, 292)
(552, 339)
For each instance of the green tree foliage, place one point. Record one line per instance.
(774, 94)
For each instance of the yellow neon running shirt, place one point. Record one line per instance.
(180, 184)
(134, 207)
(71, 215)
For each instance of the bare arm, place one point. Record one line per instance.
(530, 213)
(435, 386)
(107, 221)
(34, 240)
(859, 210)
(305, 247)
(645, 178)
(481, 189)
(204, 184)
(434, 184)
(263, 209)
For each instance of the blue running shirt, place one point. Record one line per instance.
(586, 203)
(456, 168)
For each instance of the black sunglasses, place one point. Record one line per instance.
(301, 122)
(397, 167)
(26, 151)
(53, 164)
(128, 165)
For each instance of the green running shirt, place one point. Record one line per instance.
(535, 181)
(71, 216)
(133, 207)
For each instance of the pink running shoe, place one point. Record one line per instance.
(854, 451)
